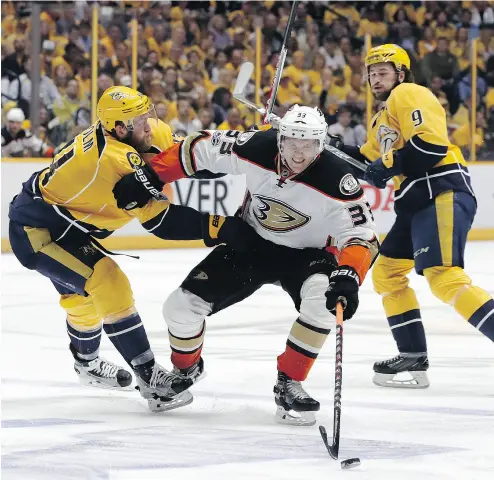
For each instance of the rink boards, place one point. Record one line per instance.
(224, 195)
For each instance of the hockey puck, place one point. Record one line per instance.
(350, 463)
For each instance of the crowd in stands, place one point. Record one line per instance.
(189, 54)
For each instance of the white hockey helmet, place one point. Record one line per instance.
(305, 123)
(15, 115)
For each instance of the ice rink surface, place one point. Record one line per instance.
(53, 428)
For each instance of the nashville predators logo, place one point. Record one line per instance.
(386, 137)
(277, 216)
(119, 95)
(134, 159)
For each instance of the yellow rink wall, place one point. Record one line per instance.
(223, 196)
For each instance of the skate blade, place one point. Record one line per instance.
(418, 380)
(299, 419)
(164, 404)
(89, 382)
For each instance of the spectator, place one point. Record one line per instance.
(113, 38)
(121, 59)
(221, 60)
(161, 108)
(183, 120)
(218, 29)
(221, 101)
(440, 62)
(428, 42)
(13, 65)
(351, 135)
(21, 88)
(146, 76)
(295, 72)
(83, 76)
(465, 87)
(206, 117)
(233, 121)
(273, 39)
(237, 58)
(442, 26)
(435, 87)
(66, 106)
(333, 54)
(374, 26)
(104, 82)
(17, 142)
(482, 13)
(85, 36)
(171, 84)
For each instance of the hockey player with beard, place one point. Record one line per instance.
(435, 207)
(319, 242)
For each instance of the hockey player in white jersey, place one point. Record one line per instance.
(318, 242)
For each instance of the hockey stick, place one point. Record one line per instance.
(280, 65)
(338, 370)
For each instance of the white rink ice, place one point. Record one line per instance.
(53, 428)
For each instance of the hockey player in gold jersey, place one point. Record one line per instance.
(435, 207)
(61, 211)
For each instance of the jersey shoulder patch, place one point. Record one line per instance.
(257, 146)
(333, 177)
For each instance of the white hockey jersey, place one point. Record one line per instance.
(324, 206)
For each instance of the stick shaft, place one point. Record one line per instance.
(338, 371)
(280, 65)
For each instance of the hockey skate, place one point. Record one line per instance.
(194, 373)
(101, 373)
(389, 372)
(295, 405)
(162, 389)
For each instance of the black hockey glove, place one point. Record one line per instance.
(136, 189)
(343, 282)
(232, 231)
(336, 141)
(378, 175)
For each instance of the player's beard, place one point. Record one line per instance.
(383, 96)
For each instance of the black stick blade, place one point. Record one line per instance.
(332, 449)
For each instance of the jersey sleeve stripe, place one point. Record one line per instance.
(187, 152)
(156, 221)
(428, 148)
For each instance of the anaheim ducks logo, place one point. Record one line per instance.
(277, 216)
(386, 137)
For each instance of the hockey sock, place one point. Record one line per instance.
(302, 347)
(85, 343)
(408, 332)
(472, 305)
(402, 310)
(453, 286)
(129, 338)
(186, 351)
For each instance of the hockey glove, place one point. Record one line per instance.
(136, 189)
(335, 141)
(344, 283)
(378, 175)
(232, 231)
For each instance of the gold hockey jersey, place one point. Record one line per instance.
(82, 176)
(410, 130)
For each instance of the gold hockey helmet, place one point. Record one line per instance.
(126, 105)
(388, 53)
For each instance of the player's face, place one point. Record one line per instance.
(382, 78)
(141, 135)
(14, 127)
(298, 153)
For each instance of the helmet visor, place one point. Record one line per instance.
(137, 123)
